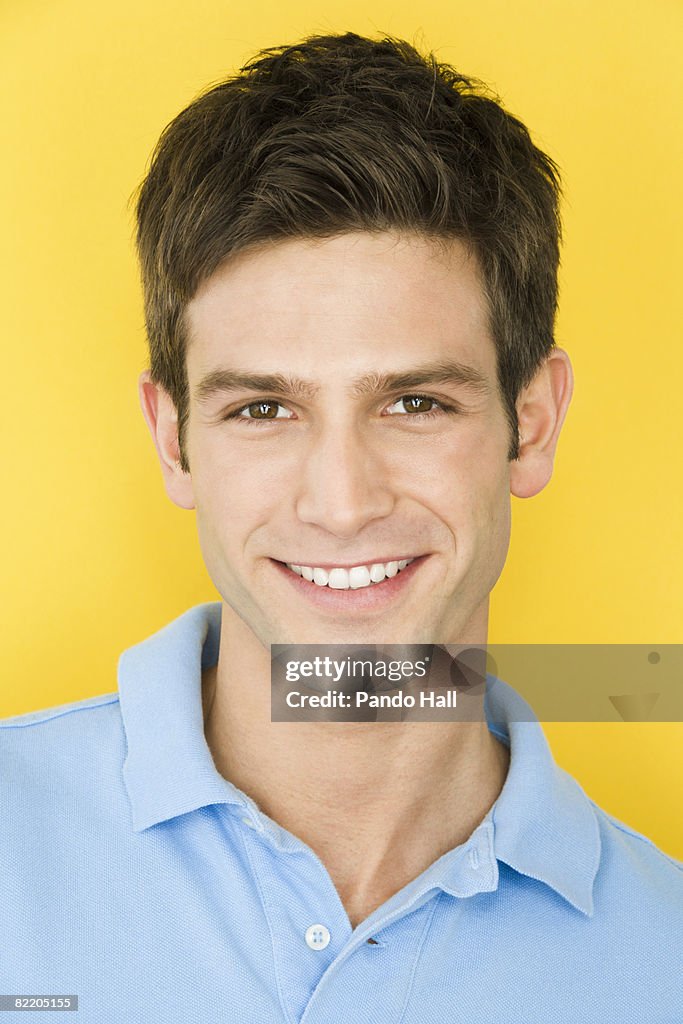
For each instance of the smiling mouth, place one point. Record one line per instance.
(357, 577)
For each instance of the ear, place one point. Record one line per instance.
(541, 409)
(162, 419)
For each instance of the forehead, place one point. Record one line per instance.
(355, 301)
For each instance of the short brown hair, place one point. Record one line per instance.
(341, 133)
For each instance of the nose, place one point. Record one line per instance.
(343, 483)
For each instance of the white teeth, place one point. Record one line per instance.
(359, 577)
(339, 579)
(356, 578)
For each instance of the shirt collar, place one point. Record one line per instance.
(168, 769)
(545, 826)
(542, 824)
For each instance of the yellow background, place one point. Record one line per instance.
(95, 555)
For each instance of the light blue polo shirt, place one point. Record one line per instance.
(135, 876)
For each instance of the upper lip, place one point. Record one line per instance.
(350, 565)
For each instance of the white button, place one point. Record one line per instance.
(317, 936)
(250, 823)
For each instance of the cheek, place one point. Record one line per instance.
(235, 493)
(461, 474)
(466, 485)
(237, 463)
(491, 525)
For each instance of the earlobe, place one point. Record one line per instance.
(541, 410)
(162, 420)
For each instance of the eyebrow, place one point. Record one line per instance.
(225, 381)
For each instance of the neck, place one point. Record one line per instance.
(378, 802)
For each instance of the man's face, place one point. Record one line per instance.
(361, 452)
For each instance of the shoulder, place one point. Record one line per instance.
(43, 715)
(80, 717)
(634, 872)
(59, 743)
(60, 776)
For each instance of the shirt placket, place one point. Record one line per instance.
(306, 921)
(325, 970)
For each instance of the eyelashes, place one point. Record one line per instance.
(269, 410)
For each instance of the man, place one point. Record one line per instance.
(349, 258)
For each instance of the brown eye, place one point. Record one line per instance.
(417, 403)
(420, 407)
(263, 410)
(260, 412)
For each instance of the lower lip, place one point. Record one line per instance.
(377, 595)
